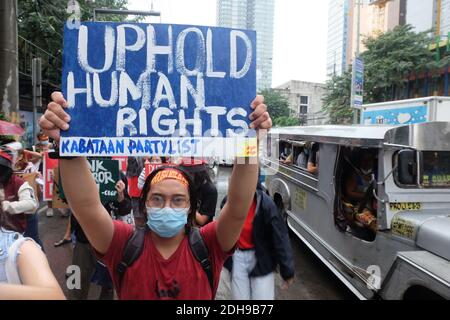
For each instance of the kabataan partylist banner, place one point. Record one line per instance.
(156, 89)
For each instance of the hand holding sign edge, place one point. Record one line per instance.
(55, 118)
(260, 117)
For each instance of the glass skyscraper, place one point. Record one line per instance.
(255, 15)
(338, 36)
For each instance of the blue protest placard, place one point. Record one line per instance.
(156, 89)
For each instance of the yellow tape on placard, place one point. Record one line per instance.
(248, 148)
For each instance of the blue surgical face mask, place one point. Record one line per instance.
(166, 222)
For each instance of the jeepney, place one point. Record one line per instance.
(409, 253)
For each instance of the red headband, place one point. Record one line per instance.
(169, 174)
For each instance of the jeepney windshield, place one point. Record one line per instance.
(436, 169)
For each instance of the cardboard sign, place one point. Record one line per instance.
(158, 90)
(106, 175)
(58, 201)
(49, 165)
(150, 167)
(122, 162)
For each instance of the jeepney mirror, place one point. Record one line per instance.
(407, 167)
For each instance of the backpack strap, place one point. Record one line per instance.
(132, 251)
(201, 253)
(135, 245)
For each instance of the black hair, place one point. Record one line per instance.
(5, 174)
(5, 222)
(201, 177)
(191, 189)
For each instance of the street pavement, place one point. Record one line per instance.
(313, 280)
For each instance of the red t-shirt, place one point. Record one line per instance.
(246, 238)
(152, 277)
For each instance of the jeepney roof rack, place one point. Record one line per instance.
(425, 136)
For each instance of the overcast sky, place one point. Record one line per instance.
(300, 32)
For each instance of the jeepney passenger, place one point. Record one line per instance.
(302, 159)
(357, 184)
(313, 159)
(287, 151)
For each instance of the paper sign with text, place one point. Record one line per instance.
(158, 90)
(59, 200)
(106, 174)
(49, 165)
(122, 162)
(150, 167)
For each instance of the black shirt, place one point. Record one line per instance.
(208, 195)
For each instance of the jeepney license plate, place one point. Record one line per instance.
(405, 206)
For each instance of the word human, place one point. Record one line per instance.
(107, 82)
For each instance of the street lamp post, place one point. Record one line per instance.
(358, 35)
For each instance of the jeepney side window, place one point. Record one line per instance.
(356, 177)
(434, 170)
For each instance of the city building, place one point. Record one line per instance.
(444, 25)
(423, 15)
(338, 23)
(376, 17)
(305, 100)
(255, 15)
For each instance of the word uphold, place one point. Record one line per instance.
(158, 80)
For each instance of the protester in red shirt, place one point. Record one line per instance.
(166, 268)
(263, 245)
(16, 195)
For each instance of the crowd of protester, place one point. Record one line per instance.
(160, 239)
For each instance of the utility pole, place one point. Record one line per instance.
(358, 35)
(37, 92)
(98, 11)
(9, 74)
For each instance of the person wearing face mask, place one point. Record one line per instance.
(357, 185)
(359, 182)
(16, 195)
(302, 159)
(285, 153)
(167, 267)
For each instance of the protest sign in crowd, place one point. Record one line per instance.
(142, 106)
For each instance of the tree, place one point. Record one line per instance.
(286, 122)
(42, 21)
(336, 103)
(277, 104)
(389, 58)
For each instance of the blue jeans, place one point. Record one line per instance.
(32, 230)
(245, 287)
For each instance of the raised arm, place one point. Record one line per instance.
(32, 156)
(78, 183)
(241, 190)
